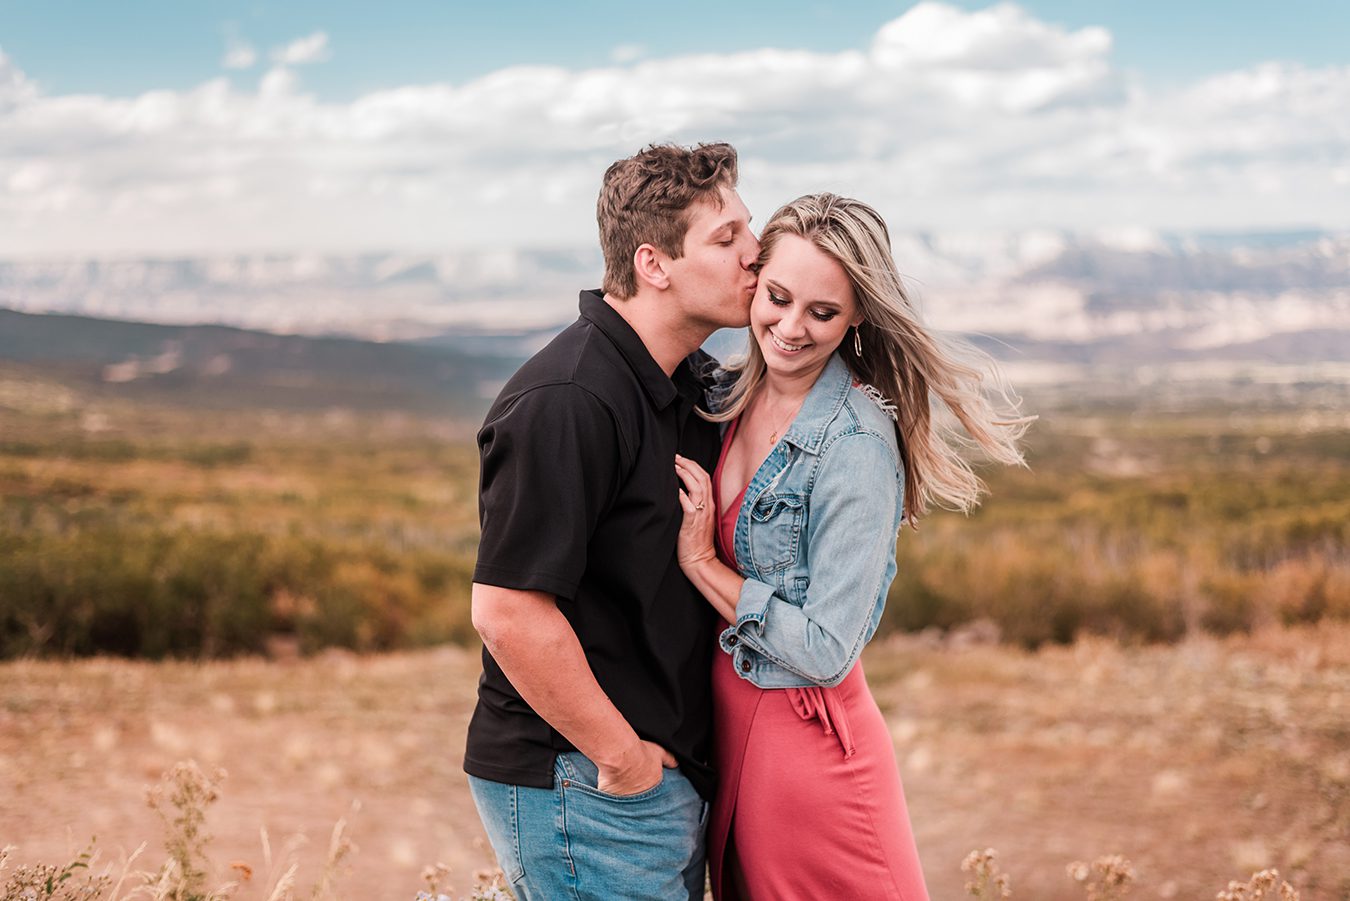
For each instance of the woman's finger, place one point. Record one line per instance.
(697, 473)
(696, 481)
(697, 487)
(702, 478)
(691, 464)
(687, 479)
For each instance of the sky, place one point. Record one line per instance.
(164, 127)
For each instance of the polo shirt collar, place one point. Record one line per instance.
(653, 379)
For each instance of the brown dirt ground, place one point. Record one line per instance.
(1200, 762)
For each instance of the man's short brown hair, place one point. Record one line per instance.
(645, 199)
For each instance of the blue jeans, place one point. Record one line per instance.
(573, 841)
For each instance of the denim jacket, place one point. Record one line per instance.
(815, 539)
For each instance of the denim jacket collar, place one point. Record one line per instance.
(821, 406)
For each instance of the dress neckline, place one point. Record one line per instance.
(726, 519)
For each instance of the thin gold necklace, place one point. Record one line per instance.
(786, 421)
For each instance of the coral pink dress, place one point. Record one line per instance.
(809, 804)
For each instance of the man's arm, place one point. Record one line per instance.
(536, 648)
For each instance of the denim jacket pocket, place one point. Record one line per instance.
(775, 531)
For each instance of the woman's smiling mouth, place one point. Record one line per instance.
(783, 345)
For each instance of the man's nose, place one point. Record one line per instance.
(751, 253)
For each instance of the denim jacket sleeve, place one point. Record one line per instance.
(853, 513)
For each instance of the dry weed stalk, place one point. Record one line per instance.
(1107, 878)
(114, 893)
(181, 800)
(1258, 888)
(47, 882)
(284, 889)
(433, 876)
(489, 885)
(988, 883)
(339, 846)
(280, 874)
(158, 888)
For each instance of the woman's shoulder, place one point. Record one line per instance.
(867, 413)
(871, 409)
(872, 403)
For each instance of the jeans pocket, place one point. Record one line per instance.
(644, 846)
(638, 798)
(575, 772)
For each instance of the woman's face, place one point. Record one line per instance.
(803, 308)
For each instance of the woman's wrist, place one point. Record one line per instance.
(717, 582)
(701, 565)
(698, 568)
(694, 560)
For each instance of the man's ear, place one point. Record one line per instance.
(652, 267)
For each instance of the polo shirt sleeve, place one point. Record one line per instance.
(550, 467)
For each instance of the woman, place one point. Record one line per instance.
(830, 444)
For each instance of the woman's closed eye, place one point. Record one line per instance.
(818, 314)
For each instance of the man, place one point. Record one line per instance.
(588, 750)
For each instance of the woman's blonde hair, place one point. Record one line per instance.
(910, 365)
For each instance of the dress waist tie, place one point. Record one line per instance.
(825, 705)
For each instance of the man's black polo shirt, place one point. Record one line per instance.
(579, 498)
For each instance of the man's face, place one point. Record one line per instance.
(714, 282)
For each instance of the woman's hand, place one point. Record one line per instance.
(695, 544)
(718, 584)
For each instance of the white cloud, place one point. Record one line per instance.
(627, 53)
(1001, 38)
(947, 119)
(15, 88)
(309, 49)
(239, 55)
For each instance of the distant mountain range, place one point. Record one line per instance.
(380, 297)
(223, 367)
(1053, 305)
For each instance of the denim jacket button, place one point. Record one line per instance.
(745, 666)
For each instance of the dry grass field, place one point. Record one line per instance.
(1172, 586)
(1200, 761)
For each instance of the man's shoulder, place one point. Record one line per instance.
(579, 376)
(580, 360)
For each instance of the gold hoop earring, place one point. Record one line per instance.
(857, 340)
